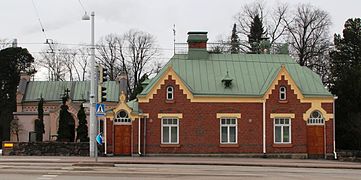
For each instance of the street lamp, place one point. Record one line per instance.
(93, 122)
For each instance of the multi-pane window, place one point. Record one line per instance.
(122, 117)
(282, 130)
(283, 91)
(169, 93)
(228, 130)
(316, 118)
(170, 131)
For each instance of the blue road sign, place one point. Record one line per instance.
(100, 109)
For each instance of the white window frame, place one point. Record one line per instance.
(320, 121)
(171, 91)
(283, 91)
(282, 125)
(122, 120)
(228, 132)
(170, 129)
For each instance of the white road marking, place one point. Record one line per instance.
(48, 176)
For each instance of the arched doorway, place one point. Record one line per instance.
(122, 133)
(315, 135)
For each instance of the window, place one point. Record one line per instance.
(228, 131)
(169, 93)
(282, 130)
(122, 117)
(283, 93)
(315, 118)
(170, 131)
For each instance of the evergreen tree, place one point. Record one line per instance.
(234, 40)
(346, 84)
(39, 123)
(12, 62)
(257, 34)
(82, 130)
(66, 123)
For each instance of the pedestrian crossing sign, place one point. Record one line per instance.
(100, 109)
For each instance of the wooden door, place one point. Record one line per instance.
(122, 139)
(315, 141)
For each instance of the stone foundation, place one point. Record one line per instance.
(46, 149)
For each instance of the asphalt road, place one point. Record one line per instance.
(65, 171)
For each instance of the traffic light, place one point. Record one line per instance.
(103, 74)
(102, 91)
(103, 94)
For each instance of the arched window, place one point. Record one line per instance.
(170, 93)
(283, 91)
(122, 117)
(315, 118)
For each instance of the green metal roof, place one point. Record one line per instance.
(252, 74)
(54, 90)
(134, 105)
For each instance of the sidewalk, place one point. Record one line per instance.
(220, 161)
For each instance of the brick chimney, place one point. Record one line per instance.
(197, 45)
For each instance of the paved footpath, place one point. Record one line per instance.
(220, 161)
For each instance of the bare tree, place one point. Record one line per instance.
(108, 54)
(308, 33)
(16, 128)
(271, 19)
(130, 53)
(68, 56)
(246, 15)
(52, 60)
(82, 63)
(64, 63)
(139, 49)
(276, 28)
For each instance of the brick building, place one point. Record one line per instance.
(225, 104)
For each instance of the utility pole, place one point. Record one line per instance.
(93, 85)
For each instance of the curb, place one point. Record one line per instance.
(114, 164)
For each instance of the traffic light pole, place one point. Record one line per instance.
(93, 122)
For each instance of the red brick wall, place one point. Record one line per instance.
(202, 45)
(298, 125)
(199, 129)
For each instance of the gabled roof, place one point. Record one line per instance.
(252, 74)
(79, 90)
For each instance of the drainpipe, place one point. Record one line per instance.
(334, 119)
(264, 128)
(145, 134)
(105, 136)
(325, 139)
(139, 153)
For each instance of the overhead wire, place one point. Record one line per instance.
(81, 4)
(38, 16)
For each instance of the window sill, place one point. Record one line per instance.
(282, 145)
(169, 101)
(170, 145)
(229, 145)
(283, 101)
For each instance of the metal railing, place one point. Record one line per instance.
(244, 47)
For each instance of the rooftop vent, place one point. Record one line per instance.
(227, 81)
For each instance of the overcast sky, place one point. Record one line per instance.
(62, 22)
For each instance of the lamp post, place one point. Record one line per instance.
(93, 122)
